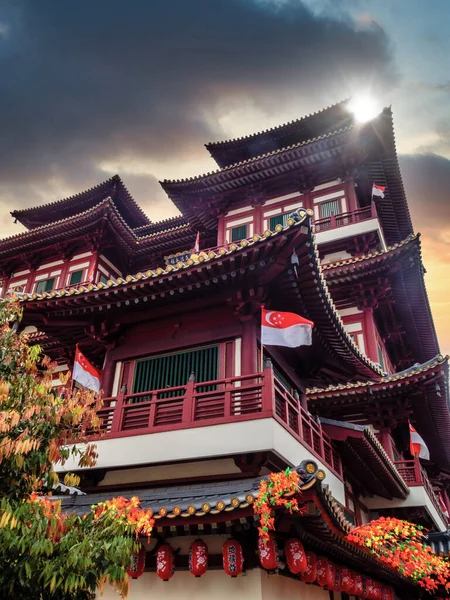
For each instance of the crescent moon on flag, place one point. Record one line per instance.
(268, 315)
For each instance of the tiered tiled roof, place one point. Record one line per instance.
(162, 236)
(312, 126)
(208, 268)
(402, 265)
(114, 188)
(284, 153)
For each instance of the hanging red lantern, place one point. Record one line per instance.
(322, 571)
(268, 553)
(165, 565)
(370, 588)
(295, 556)
(387, 592)
(233, 559)
(137, 566)
(358, 587)
(331, 573)
(198, 558)
(309, 576)
(347, 580)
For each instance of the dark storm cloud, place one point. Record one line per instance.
(427, 184)
(83, 82)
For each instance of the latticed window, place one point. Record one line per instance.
(277, 220)
(45, 286)
(239, 233)
(329, 208)
(76, 277)
(173, 370)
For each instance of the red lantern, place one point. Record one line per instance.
(371, 589)
(137, 566)
(387, 592)
(233, 559)
(331, 573)
(295, 556)
(309, 576)
(165, 565)
(268, 553)
(347, 581)
(198, 558)
(322, 571)
(358, 587)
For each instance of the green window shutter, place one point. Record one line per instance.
(173, 370)
(277, 220)
(45, 286)
(239, 233)
(76, 277)
(329, 208)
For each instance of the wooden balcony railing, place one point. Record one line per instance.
(414, 475)
(230, 400)
(348, 218)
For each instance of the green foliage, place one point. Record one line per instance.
(44, 553)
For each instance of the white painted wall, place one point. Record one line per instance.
(276, 587)
(330, 235)
(217, 585)
(207, 442)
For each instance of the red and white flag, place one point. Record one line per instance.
(443, 505)
(417, 446)
(285, 329)
(197, 243)
(378, 190)
(85, 373)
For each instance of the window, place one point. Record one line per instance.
(239, 233)
(277, 220)
(172, 370)
(329, 208)
(45, 286)
(103, 279)
(76, 277)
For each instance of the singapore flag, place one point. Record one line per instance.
(285, 329)
(85, 373)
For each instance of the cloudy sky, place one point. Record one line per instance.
(92, 88)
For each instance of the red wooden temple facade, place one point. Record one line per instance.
(195, 410)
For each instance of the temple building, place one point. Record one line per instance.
(196, 411)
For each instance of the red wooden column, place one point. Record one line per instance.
(108, 374)
(386, 442)
(370, 335)
(249, 348)
(350, 194)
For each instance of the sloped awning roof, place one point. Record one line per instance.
(423, 388)
(364, 456)
(221, 507)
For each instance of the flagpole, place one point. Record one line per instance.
(261, 345)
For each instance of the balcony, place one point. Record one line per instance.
(421, 494)
(239, 414)
(415, 476)
(362, 220)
